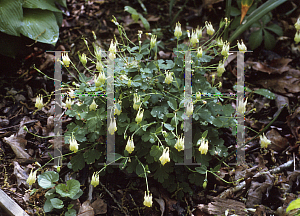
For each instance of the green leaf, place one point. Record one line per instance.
(255, 39)
(293, 205)
(266, 93)
(155, 152)
(11, 15)
(46, 179)
(201, 170)
(169, 127)
(91, 155)
(76, 196)
(71, 212)
(130, 10)
(48, 206)
(234, 11)
(172, 103)
(69, 190)
(276, 29)
(40, 25)
(204, 134)
(44, 5)
(270, 40)
(78, 162)
(57, 203)
(145, 22)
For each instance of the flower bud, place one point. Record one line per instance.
(209, 28)
(100, 80)
(165, 134)
(178, 31)
(165, 157)
(198, 95)
(242, 47)
(136, 100)
(93, 106)
(204, 184)
(39, 102)
(32, 177)
(112, 50)
(169, 77)
(139, 116)
(97, 52)
(220, 42)
(69, 103)
(65, 59)
(264, 141)
(130, 145)
(220, 69)
(153, 41)
(95, 180)
(199, 52)
(118, 111)
(99, 66)
(129, 83)
(242, 106)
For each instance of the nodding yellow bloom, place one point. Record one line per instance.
(148, 199)
(198, 95)
(178, 31)
(112, 50)
(203, 146)
(95, 180)
(220, 69)
(297, 24)
(32, 177)
(180, 144)
(100, 80)
(264, 141)
(73, 145)
(194, 38)
(99, 66)
(220, 42)
(225, 49)
(136, 100)
(83, 59)
(93, 106)
(242, 106)
(153, 41)
(39, 102)
(69, 103)
(297, 37)
(242, 47)
(165, 157)
(189, 109)
(139, 116)
(65, 59)
(117, 111)
(169, 77)
(199, 52)
(209, 28)
(199, 32)
(130, 145)
(112, 127)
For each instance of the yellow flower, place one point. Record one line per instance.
(220, 42)
(69, 103)
(209, 28)
(199, 52)
(169, 77)
(297, 24)
(97, 52)
(130, 145)
(199, 32)
(164, 158)
(178, 31)
(117, 111)
(153, 41)
(112, 127)
(220, 69)
(93, 106)
(194, 38)
(95, 180)
(32, 177)
(189, 109)
(203, 146)
(39, 102)
(83, 59)
(139, 116)
(198, 95)
(242, 47)
(297, 37)
(99, 66)
(242, 106)
(225, 49)
(148, 199)
(65, 59)
(73, 145)
(264, 141)
(180, 144)
(112, 50)
(136, 100)
(100, 80)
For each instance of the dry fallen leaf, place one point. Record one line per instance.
(277, 66)
(86, 209)
(278, 142)
(17, 144)
(20, 174)
(99, 206)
